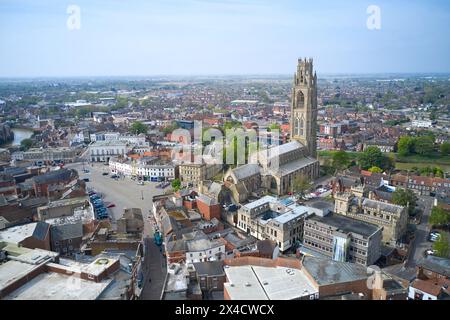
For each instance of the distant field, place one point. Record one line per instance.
(402, 163)
(433, 160)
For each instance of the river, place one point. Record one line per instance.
(19, 135)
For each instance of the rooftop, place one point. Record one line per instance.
(347, 225)
(266, 283)
(56, 286)
(259, 202)
(326, 271)
(17, 234)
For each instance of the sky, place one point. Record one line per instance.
(220, 37)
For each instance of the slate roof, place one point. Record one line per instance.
(206, 200)
(54, 176)
(383, 205)
(67, 231)
(436, 264)
(41, 230)
(246, 171)
(211, 268)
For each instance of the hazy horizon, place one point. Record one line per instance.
(192, 38)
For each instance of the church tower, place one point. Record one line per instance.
(304, 106)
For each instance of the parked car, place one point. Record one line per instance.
(86, 179)
(434, 237)
(112, 205)
(105, 173)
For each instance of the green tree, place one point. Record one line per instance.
(138, 127)
(340, 160)
(301, 184)
(441, 246)
(232, 124)
(424, 145)
(375, 170)
(445, 148)
(373, 157)
(405, 146)
(405, 198)
(171, 128)
(176, 184)
(438, 172)
(274, 126)
(439, 216)
(26, 144)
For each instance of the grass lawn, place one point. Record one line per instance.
(432, 160)
(402, 163)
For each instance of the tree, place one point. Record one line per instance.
(171, 128)
(26, 144)
(301, 184)
(438, 172)
(340, 160)
(138, 127)
(445, 148)
(375, 170)
(404, 198)
(405, 146)
(439, 216)
(373, 157)
(176, 184)
(441, 246)
(274, 126)
(424, 145)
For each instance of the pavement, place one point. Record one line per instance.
(126, 193)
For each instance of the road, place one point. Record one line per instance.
(421, 243)
(126, 193)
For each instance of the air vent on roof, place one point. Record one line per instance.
(265, 283)
(247, 284)
(231, 285)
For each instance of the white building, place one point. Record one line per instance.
(152, 172)
(136, 140)
(278, 220)
(203, 250)
(49, 155)
(422, 123)
(103, 151)
(105, 136)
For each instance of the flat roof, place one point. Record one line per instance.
(282, 283)
(243, 284)
(265, 283)
(11, 271)
(295, 212)
(56, 286)
(347, 225)
(325, 271)
(19, 233)
(260, 202)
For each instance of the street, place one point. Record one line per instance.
(421, 243)
(126, 193)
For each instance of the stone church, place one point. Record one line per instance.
(278, 167)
